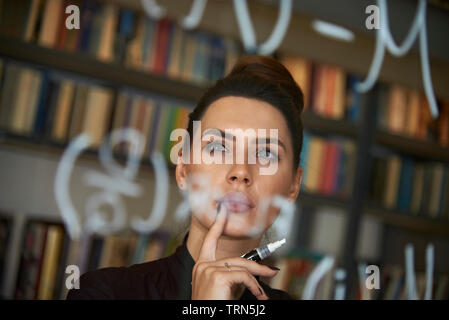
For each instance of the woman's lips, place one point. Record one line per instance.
(237, 202)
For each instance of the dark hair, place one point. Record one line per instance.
(264, 79)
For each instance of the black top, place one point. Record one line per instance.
(167, 278)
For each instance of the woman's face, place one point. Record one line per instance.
(239, 185)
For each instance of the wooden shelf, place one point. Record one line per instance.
(421, 149)
(49, 147)
(86, 65)
(434, 226)
(312, 199)
(316, 123)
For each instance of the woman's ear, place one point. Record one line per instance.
(181, 173)
(296, 185)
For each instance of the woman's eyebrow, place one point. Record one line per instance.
(213, 131)
(260, 140)
(268, 140)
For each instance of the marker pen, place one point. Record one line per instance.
(261, 253)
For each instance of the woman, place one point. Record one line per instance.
(259, 93)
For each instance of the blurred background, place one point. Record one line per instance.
(376, 164)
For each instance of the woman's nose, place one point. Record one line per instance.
(240, 174)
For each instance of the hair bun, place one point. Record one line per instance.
(270, 70)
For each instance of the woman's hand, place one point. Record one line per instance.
(211, 279)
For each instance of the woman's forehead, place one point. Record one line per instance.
(244, 113)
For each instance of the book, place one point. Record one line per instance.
(93, 37)
(60, 275)
(133, 56)
(39, 120)
(353, 98)
(124, 33)
(156, 245)
(315, 164)
(426, 196)
(163, 36)
(8, 93)
(26, 261)
(35, 7)
(49, 101)
(123, 250)
(20, 103)
(338, 110)
(51, 17)
(417, 189)
(145, 125)
(405, 185)
(50, 262)
(412, 115)
(436, 189)
(141, 244)
(148, 43)
(397, 106)
(392, 181)
(40, 259)
(63, 110)
(347, 169)
(120, 108)
(174, 61)
(300, 70)
(189, 56)
(443, 124)
(329, 79)
(95, 252)
(78, 110)
(105, 51)
(89, 10)
(97, 113)
(378, 176)
(5, 236)
(33, 101)
(414, 187)
(316, 89)
(328, 184)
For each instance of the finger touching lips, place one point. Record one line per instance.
(207, 252)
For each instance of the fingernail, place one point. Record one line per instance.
(218, 207)
(261, 292)
(274, 268)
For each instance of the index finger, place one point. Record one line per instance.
(207, 252)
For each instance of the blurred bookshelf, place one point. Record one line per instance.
(88, 66)
(420, 149)
(333, 121)
(408, 221)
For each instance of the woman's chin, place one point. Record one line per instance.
(241, 232)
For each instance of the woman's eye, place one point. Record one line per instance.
(266, 154)
(215, 146)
